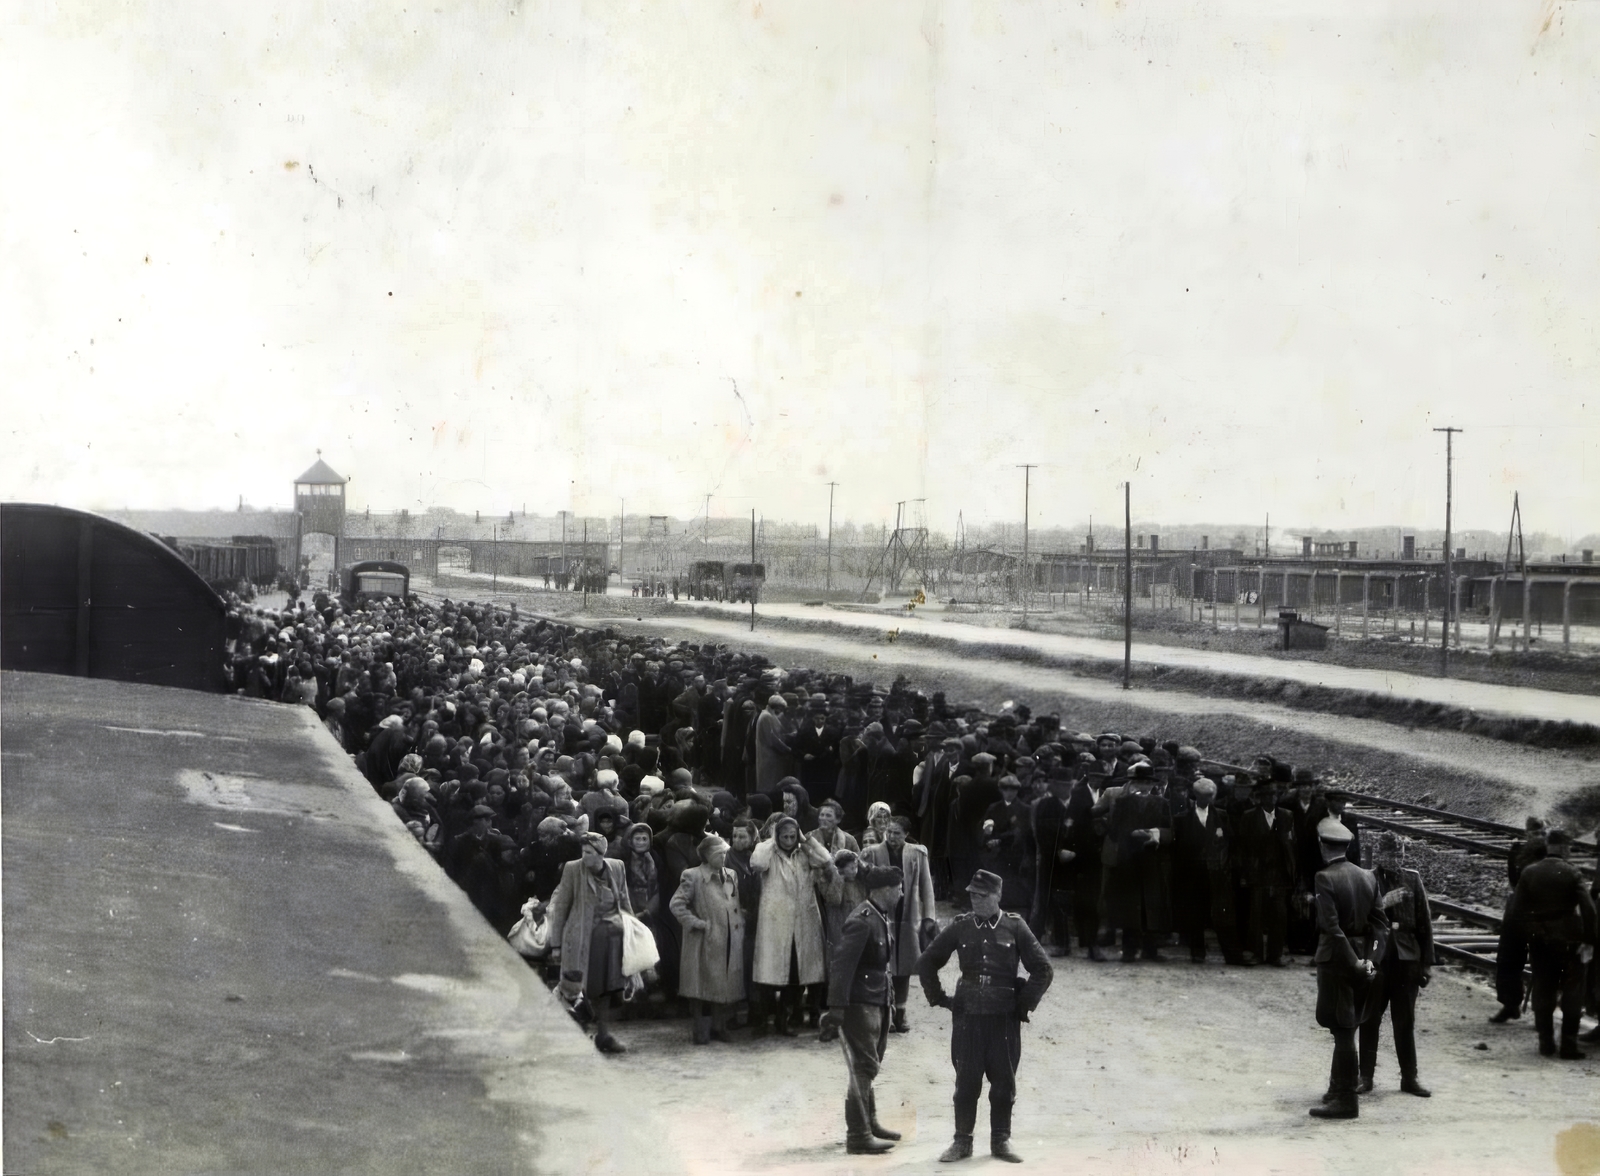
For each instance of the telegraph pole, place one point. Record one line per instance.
(1449, 432)
(831, 485)
(1127, 563)
(622, 543)
(584, 562)
(1027, 582)
(752, 569)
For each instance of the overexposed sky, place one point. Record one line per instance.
(556, 255)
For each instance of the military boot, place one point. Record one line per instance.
(878, 1129)
(960, 1149)
(1000, 1149)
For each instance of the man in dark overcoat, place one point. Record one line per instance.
(989, 1005)
(1353, 932)
(1140, 829)
(1555, 914)
(860, 995)
(1266, 847)
(1202, 878)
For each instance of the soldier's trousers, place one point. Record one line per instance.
(985, 1046)
(1557, 979)
(1510, 958)
(1394, 988)
(864, 1033)
(1342, 1077)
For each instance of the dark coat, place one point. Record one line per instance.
(819, 773)
(1135, 893)
(1204, 848)
(1551, 902)
(1353, 928)
(1267, 856)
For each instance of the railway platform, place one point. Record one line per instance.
(224, 954)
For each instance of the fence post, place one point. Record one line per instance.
(1566, 615)
(1338, 603)
(1366, 601)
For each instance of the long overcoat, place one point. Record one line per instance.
(712, 965)
(572, 912)
(1136, 886)
(790, 915)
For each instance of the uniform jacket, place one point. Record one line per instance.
(1551, 902)
(1410, 917)
(862, 968)
(915, 906)
(1207, 847)
(989, 957)
(1267, 856)
(1350, 916)
(706, 903)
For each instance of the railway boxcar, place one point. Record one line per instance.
(85, 595)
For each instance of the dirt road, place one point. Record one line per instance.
(1142, 1068)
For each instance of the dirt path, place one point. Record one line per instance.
(1144, 1068)
(1480, 696)
(1518, 778)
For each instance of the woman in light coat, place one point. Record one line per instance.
(586, 933)
(711, 971)
(789, 952)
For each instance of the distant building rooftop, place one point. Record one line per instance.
(320, 474)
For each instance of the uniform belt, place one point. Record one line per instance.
(985, 981)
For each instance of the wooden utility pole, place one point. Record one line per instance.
(583, 562)
(1127, 607)
(1449, 432)
(831, 485)
(622, 542)
(752, 569)
(1027, 582)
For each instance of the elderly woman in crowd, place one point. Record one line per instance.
(789, 952)
(586, 934)
(711, 971)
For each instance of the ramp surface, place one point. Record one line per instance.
(224, 954)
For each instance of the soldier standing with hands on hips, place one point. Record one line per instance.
(1355, 933)
(990, 1004)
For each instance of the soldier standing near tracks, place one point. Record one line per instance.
(1354, 932)
(990, 1004)
(1557, 917)
(1407, 965)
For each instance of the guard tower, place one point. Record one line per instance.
(318, 507)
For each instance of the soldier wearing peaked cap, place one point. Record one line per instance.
(1355, 934)
(989, 1004)
(860, 995)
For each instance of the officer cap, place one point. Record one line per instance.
(878, 877)
(985, 883)
(1332, 832)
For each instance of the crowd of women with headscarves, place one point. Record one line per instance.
(584, 780)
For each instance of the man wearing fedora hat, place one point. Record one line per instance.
(989, 1004)
(1354, 934)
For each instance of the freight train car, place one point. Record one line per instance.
(84, 595)
(252, 558)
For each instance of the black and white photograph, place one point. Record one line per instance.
(800, 587)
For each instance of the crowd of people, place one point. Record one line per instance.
(738, 810)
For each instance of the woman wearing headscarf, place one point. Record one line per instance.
(711, 970)
(586, 933)
(789, 951)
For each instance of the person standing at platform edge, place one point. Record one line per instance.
(1554, 913)
(1407, 965)
(989, 1006)
(1354, 932)
(860, 994)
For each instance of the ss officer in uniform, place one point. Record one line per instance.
(1405, 967)
(1355, 932)
(990, 1003)
(860, 994)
